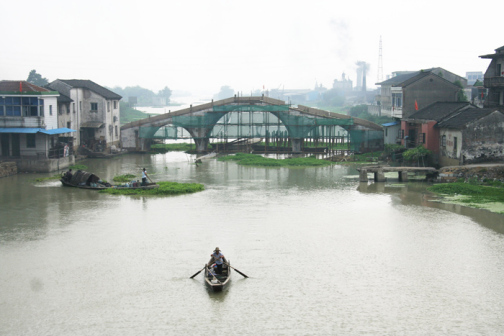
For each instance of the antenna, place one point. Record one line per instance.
(380, 63)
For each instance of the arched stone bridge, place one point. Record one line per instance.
(295, 123)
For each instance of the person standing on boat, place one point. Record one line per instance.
(144, 177)
(218, 258)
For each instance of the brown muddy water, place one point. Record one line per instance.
(325, 255)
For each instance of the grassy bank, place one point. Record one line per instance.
(260, 161)
(165, 188)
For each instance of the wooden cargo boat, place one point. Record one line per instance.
(217, 282)
(85, 180)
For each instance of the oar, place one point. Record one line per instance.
(237, 271)
(197, 272)
(209, 271)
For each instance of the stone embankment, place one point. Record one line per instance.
(493, 172)
(8, 169)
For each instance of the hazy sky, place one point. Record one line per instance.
(200, 46)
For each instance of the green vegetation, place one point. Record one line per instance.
(78, 167)
(165, 188)
(54, 177)
(129, 114)
(124, 178)
(258, 160)
(473, 195)
(361, 111)
(418, 154)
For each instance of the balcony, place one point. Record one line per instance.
(492, 82)
(36, 122)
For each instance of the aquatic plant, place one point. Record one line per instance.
(78, 167)
(258, 160)
(54, 177)
(124, 178)
(165, 188)
(473, 193)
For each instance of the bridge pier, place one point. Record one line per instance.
(379, 176)
(296, 145)
(363, 175)
(201, 144)
(403, 176)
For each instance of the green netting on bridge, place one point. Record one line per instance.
(366, 140)
(255, 124)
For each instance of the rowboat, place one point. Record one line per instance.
(217, 282)
(85, 180)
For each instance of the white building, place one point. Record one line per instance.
(29, 132)
(92, 110)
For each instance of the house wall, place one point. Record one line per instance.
(431, 137)
(51, 112)
(107, 112)
(391, 134)
(425, 91)
(448, 154)
(483, 140)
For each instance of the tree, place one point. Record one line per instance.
(37, 79)
(461, 96)
(165, 93)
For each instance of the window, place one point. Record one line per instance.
(115, 104)
(397, 100)
(69, 124)
(443, 141)
(454, 144)
(80, 106)
(422, 137)
(30, 140)
(50, 109)
(108, 106)
(402, 134)
(94, 107)
(116, 132)
(386, 131)
(73, 107)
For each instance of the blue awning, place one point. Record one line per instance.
(32, 130)
(391, 124)
(57, 131)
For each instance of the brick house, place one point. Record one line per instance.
(419, 128)
(404, 94)
(471, 135)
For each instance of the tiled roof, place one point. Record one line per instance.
(461, 119)
(15, 86)
(399, 79)
(438, 111)
(90, 85)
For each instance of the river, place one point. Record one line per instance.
(325, 255)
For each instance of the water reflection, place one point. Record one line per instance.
(415, 193)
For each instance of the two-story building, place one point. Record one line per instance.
(29, 132)
(407, 92)
(494, 79)
(91, 109)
